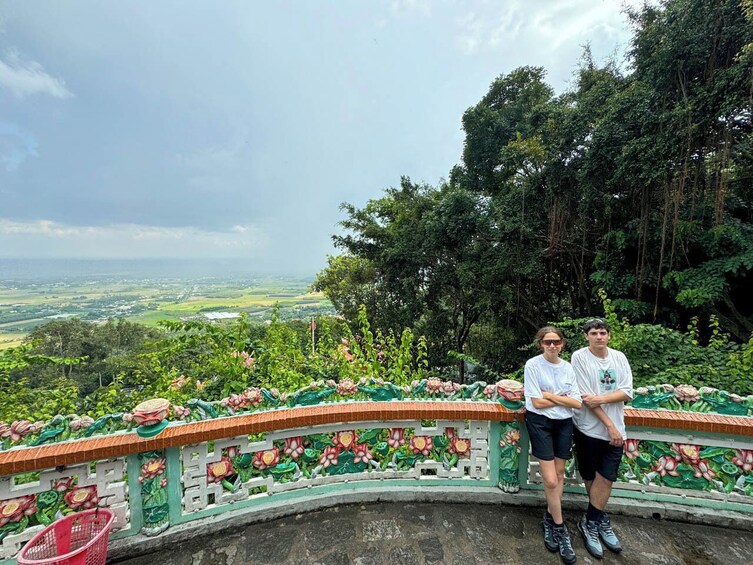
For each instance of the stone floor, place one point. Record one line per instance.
(452, 534)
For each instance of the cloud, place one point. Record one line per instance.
(406, 6)
(15, 146)
(520, 25)
(26, 78)
(25, 238)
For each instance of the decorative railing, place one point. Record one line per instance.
(472, 439)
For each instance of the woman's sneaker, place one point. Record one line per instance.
(590, 531)
(567, 553)
(607, 535)
(549, 541)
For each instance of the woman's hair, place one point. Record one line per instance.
(546, 330)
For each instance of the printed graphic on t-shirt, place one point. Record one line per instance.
(607, 380)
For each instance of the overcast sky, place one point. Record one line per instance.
(222, 129)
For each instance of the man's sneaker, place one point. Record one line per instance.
(549, 541)
(607, 535)
(567, 554)
(590, 531)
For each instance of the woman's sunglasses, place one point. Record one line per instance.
(551, 342)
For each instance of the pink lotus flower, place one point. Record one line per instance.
(512, 437)
(690, 454)
(489, 390)
(347, 387)
(4, 430)
(128, 417)
(434, 385)
(268, 458)
(19, 429)
(630, 448)
(449, 432)
(460, 446)
(163, 482)
(703, 470)
(62, 485)
(14, 509)
(421, 444)
(181, 412)
(397, 438)
(345, 439)
(219, 470)
(667, 466)
(153, 467)
(81, 423)
(294, 447)
(362, 453)
(686, 393)
(744, 459)
(329, 457)
(36, 427)
(232, 451)
(82, 497)
(253, 396)
(450, 388)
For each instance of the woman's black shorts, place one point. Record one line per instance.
(550, 438)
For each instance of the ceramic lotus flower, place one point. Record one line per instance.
(347, 387)
(294, 447)
(329, 457)
(460, 446)
(667, 466)
(362, 453)
(19, 429)
(396, 438)
(219, 470)
(510, 390)
(345, 439)
(81, 423)
(688, 453)
(153, 467)
(630, 448)
(82, 497)
(744, 459)
(421, 444)
(686, 393)
(266, 459)
(14, 509)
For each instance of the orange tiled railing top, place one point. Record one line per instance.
(19, 460)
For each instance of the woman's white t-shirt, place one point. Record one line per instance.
(541, 376)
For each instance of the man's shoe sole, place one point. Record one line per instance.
(585, 543)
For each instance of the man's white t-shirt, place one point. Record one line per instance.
(557, 378)
(601, 376)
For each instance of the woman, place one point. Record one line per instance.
(551, 395)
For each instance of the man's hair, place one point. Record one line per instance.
(595, 324)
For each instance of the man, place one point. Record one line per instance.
(606, 382)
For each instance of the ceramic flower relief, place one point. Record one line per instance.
(345, 439)
(18, 430)
(329, 457)
(744, 459)
(703, 470)
(686, 393)
(81, 423)
(512, 437)
(266, 459)
(396, 438)
(82, 497)
(460, 446)
(181, 412)
(152, 468)
(434, 385)
(62, 485)
(294, 447)
(421, 444)
(347, 387)
(630, 448)
(667, 466)
(689, 453)
(362, 453)
(14, 509)
(219, 470)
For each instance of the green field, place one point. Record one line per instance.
(23, 307)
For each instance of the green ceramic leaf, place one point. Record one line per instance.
(282, 469)
(48, 498)
(345, 465)
(370, 436)
(382, 448)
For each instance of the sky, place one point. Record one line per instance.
(235, 129)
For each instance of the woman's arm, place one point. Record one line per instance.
(562, 400)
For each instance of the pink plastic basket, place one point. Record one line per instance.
(77, 539)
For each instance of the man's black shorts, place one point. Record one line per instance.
(550, 438)
(596, 456)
